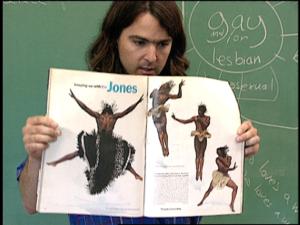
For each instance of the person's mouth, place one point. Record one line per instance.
(146, 71)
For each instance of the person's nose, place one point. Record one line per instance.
(151, 53)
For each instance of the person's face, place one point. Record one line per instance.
(200, 111)
(144, 46)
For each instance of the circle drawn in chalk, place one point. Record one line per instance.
(230, 38)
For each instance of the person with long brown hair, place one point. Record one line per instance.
(136, 37)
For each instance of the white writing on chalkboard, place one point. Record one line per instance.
(252, 86)
(234, 31)
(235, 59)
(24, 2)
(261, 192)
(295, 58)
(269, 178)
(236, 41)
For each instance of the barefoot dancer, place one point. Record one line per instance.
(116, 153)
(201, 134)
(221, 177)
(158, 111)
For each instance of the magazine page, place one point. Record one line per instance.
(193, 164)
(97, 165)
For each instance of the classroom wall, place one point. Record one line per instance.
(253, 45)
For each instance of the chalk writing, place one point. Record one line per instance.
(282, 218)
(287, 197)
(24, 2)
(236, 43)
(295, 207)
(235, 59)
(246, 179)
(264, 173)
(251, 160)
(238, 25)
(262, 195)
(295, 58)
(252, 86)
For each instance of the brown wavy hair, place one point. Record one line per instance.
(103, 55)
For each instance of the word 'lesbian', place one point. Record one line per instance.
(121, 88)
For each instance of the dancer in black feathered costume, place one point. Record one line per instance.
(107, 155)
(107, 161)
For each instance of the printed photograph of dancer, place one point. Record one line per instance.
(201, 134)
(158, 111)
(220, 177)
(107, 155)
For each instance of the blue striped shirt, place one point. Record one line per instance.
(109, 220)
(75, 219)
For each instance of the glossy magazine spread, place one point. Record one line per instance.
(141, 146)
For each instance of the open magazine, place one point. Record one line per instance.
(156, 146)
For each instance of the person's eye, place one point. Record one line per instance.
(139, 43)
(163, 44)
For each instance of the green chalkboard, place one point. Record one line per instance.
(253, 45)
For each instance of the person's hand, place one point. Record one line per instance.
(181, 83)
(72, 94)
(38, 132)
(234, 166)
(248, 134)
(173, 116)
